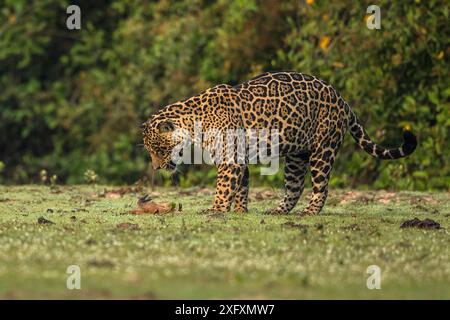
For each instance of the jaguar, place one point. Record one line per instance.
(311, 119)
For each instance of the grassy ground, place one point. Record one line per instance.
(190, 254)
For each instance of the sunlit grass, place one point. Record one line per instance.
(188, 254)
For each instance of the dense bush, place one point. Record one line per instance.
(73, 100)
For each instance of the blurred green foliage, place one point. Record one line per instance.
(72, 101)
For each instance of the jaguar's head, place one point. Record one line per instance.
(158, 140)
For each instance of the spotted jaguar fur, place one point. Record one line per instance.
(309, 114)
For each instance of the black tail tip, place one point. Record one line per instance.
(410, 142)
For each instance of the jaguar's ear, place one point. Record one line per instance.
(166, 126)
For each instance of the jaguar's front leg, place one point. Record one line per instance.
(241, 198)
(229, 177)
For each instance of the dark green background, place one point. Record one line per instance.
(73, 100)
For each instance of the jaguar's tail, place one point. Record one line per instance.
(362, 138)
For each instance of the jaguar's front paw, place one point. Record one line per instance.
(240, 210)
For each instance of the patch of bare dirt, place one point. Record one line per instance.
(42, 220)
(367, 197)
(422, 200)
(120, 192)
(421, 224)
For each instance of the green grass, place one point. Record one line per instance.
(190, 254)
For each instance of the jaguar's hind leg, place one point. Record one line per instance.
(321, 164)
(294, 180)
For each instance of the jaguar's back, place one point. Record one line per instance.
(294, 104)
